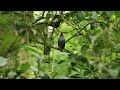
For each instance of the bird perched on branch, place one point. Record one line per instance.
(61, 42)
(56, 24)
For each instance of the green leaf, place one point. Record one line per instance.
(61, 77)
(109, 13)
(5, 20)
(114, 66)
(117, 49)
(3, 61)
(24, 67)
(113, 72)
(117, 13)
(63, 68)
(32, 49)
(11, 74)
(34, 68)
(113, 55)
(34, 31)
(87, 72)
(100, 12)
(94, 15)
(80, 15)
(82, 59)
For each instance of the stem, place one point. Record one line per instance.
(78, 32)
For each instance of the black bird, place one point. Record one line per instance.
(61, 42)
(55, 24)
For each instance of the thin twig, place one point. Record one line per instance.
(77, 32)
(80, 30)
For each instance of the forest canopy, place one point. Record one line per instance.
(59, 44)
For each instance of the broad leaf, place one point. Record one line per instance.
(94, 15)
(109, 13)
(80, 15)
(24, 67)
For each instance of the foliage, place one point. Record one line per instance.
(29, 45)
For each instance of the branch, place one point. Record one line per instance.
(80, 30)
(77, 32)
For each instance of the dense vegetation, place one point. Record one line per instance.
(29, 45)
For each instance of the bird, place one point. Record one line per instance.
(61, 42)
(55, 24)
